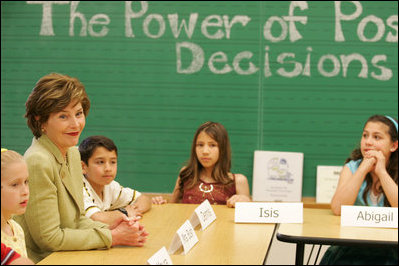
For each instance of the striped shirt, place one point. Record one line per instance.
(8, 255)
(114, 196)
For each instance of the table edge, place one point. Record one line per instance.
(333, 241)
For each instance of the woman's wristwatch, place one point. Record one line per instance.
(123, 210)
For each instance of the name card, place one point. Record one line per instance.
(185, 236)
(326, 182)
(161, 257)
(369, 216)
(265, 212)
(203, 215)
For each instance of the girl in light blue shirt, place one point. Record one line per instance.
(369, 178)
(372, 199)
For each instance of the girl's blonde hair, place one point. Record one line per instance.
(8, 157)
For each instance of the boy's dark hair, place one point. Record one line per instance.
(89, 145)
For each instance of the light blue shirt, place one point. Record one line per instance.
(353, 165)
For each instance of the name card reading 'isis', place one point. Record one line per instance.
(185, 236)
(268, 212)
(161, 257)
(366, 216)
(203, 215)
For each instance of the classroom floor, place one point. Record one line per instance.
(282, 253)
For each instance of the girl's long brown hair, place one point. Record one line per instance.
(191, 172)
(392, 167)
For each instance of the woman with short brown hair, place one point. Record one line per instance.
(55, 220)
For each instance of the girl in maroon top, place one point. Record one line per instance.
(207, 173)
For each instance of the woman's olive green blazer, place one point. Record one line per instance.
(54, 219)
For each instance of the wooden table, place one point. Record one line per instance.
(321, 226)
(222, 242)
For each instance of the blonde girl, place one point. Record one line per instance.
(14, 199)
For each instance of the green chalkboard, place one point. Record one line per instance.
(280, 76)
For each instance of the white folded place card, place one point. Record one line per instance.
(366, 216)
(268, 212)
(185, 236)
(326, 182)
(203, 215)
(161, 257)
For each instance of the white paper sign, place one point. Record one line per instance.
(268, 212)
(185, 236)
(327, 180)
(277, 176)
(161, 257)
(203, 215)
(366, 216)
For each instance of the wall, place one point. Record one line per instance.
(282, 76)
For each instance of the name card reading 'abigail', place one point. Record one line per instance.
(369, 216)
(203, 215)
(185, 236)
(161, 257)
(268, 212)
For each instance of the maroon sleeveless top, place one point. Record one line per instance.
(215, 193)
